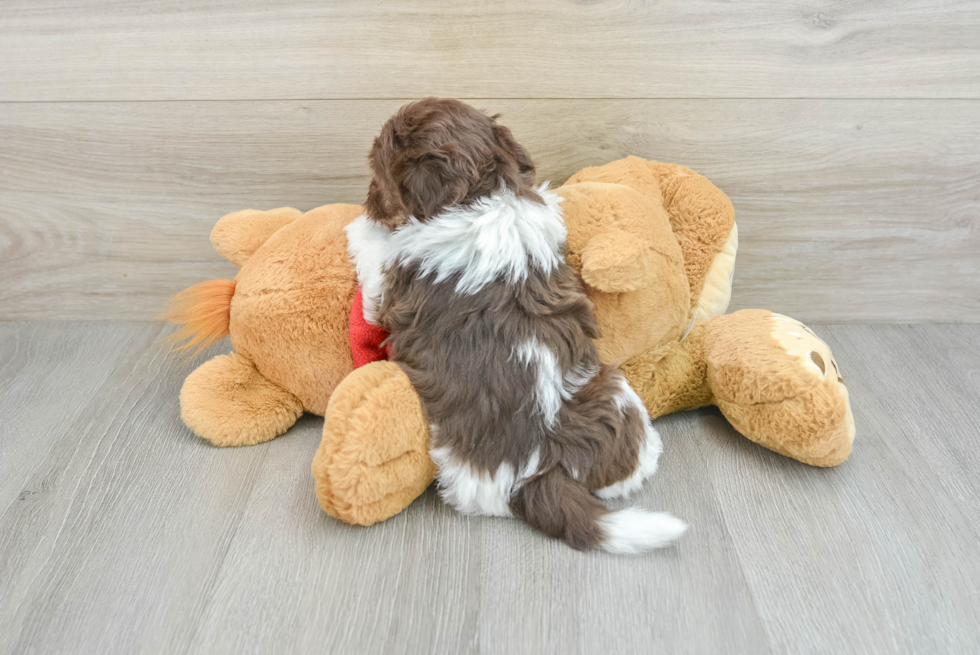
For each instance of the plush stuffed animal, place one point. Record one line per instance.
(655, 244)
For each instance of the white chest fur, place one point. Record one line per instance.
(500, 236)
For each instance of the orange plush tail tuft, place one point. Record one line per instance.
(203, 312)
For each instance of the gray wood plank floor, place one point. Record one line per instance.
(120, 532)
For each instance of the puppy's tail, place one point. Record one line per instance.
(563, 508)
(203, 311)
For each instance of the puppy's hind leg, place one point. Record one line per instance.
(606, 443)
(637, 427)
(610, 443)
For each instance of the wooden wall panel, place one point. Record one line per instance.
(252, 49)
(856, 210)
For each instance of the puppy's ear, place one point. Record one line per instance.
(382, 203)
(514, 153)
(432, 181)
(379, 205)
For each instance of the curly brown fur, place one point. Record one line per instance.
(436, 153)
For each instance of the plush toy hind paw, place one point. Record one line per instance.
(779, 385)
(374, 459)
(228, 402)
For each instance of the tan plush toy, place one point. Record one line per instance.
(655, 244)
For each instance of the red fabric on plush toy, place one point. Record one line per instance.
(365, 339)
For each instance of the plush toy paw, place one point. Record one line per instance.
(779, 385)
(622, 243)
(229, 403)
(373, 460)
(615, 261)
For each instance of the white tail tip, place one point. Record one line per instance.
(634, 530)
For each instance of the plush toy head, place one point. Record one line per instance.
(779, 384)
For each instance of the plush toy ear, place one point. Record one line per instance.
(614, 261)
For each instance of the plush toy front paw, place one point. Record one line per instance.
(615, 261)
(374, 459)
(779, 385)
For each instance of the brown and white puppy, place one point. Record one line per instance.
(460, 257)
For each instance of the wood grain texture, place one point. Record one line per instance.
(179, 50)
(943, 421)
(118, 517)
(870, 577)
(847, 210)
(120, 532)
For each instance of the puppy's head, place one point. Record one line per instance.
(436, 153)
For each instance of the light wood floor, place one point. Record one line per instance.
(120, 532)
